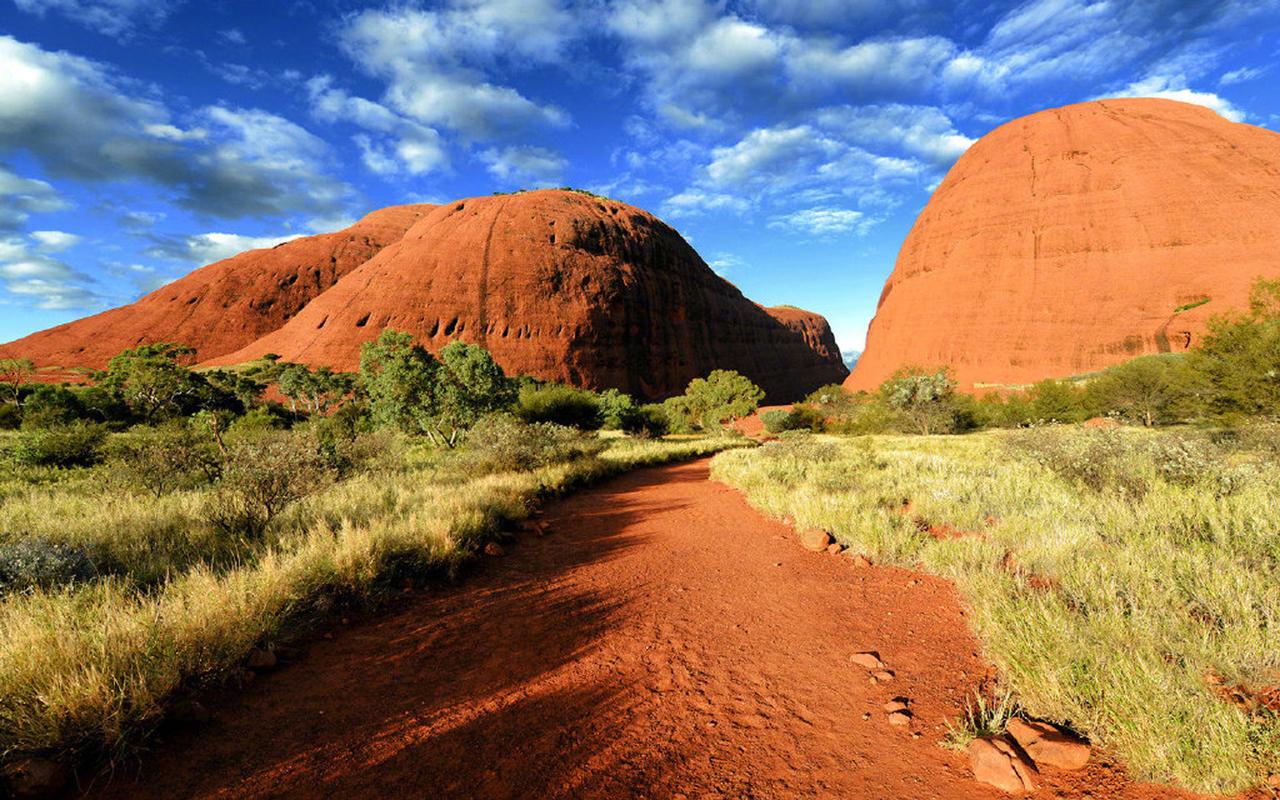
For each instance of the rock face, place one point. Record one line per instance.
(563, 286)
(225, 305)
(1079, 237)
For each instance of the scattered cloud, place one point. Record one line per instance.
(79, 121)
(206, 248)
(435, 62)
(398, 144)
(533, 166)
(725, 263)
(39, 279)
(1241, 75)
(1175, 89)
(21, 197)
(823, 221)
(108, 17)
(54, 241)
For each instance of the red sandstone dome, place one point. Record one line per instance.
(1077, 238)
(560, 285)
(565, 286)
(226, 305)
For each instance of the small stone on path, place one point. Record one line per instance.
(494, 549)
(834, 548)
(869, 660)
(996, 761)
(36, 777)
(261, 658)
(814, 539)
(896, 704)
(1048, 744)
(900, 719)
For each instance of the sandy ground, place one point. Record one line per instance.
(663, 640)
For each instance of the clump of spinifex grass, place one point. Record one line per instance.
(1113, 572)
(86, 667)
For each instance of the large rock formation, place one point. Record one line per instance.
(564, 286)
(225, 305)
(1080, 237)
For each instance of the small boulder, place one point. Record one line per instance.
(997, 761)
(815, 539)
(868, 660)
(36, 777)
(1048, 744)
(883, 675)
(834, 548)
(859, 560)
(896, 704)
(900, 719)
(260, 658)
(494, 549)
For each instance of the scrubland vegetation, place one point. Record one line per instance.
(160, 524)
(1125, 582)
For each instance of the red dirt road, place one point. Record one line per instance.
(664, 640)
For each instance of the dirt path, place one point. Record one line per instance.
(664, 640)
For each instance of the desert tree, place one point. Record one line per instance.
(14, 374)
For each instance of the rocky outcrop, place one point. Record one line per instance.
(563, 286)
(225, 305)
(1079, 237)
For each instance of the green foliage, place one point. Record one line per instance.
(245, 390)
(923, 399)
(75, 445)
(410, 390)
(400, 379)
(650, 420)
(36, 563)
(1057, 401)
(1191, 305)
(504, 443)
(799, 417)
(1239, 359)
(982, 719)
(618, 411)
(10, 417)
(471, 385)
(48, 405)
(1150, 390)
(722, 396)
(317, 390)
(153, 383)
(261, 477)
(1099, 460)
(834, 400)
(563, 405)
(166, 458)
(14, 373)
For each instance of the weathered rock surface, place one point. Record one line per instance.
(36, 777)
(997, 761)
(225, 305)
(563, 286)
(1079, 237)
(1047, 745)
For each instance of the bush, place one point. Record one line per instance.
(77, 445)
(798, 418)
(650, 419)
(775, 420)
(923, 400)
(1096, 459)
(261, 477)
(257, 421)
(562, 405)
(40, 564)
(503, 443)
(165, 459)
(617, 410)
(722, 396)
(50, 406)
(10, 417)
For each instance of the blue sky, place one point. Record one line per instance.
(792, 142)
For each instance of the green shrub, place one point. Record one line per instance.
(797, 418)
(561, 405)
(164, 459)
(75, 445)
(261, 477)
(10, 417)
(504, 443)
(1096, 459)
(617, 410)
(650, 419)
(37, 563)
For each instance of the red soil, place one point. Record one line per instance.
(1066, 241)
(664, 640)
(562, 286)
(225, 305)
